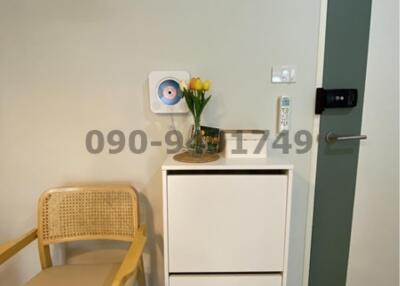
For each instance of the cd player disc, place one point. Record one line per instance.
(169, 92)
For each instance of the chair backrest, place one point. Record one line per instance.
(88, 213)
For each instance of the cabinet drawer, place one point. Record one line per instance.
(226, 223)
(226, 280)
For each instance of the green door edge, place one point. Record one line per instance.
(345, 65)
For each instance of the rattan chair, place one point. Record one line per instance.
(86, 213)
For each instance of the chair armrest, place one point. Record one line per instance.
(132, 258)
(10, 248)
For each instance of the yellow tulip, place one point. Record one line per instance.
(206, 85)
(198, 85)
(192, 83)
(183, 85)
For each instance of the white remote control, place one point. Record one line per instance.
(284, 113)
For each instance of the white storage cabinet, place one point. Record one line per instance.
(226, 222)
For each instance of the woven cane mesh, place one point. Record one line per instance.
(67, 214)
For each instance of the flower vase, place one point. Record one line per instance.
(197, 145)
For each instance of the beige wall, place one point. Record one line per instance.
(67, 67)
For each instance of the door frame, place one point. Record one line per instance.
(315, 136)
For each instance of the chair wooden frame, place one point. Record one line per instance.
(132, 263)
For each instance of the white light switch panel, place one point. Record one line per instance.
(284, 74)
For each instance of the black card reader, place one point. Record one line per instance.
(335, 98)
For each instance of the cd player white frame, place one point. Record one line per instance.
(156, 78)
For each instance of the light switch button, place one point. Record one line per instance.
(283, 74)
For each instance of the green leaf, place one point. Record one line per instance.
(205, 103)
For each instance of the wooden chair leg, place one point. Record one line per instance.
(141, 276)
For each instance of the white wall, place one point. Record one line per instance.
(67, 67)
(374, 250)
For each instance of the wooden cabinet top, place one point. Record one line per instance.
(229, 164)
